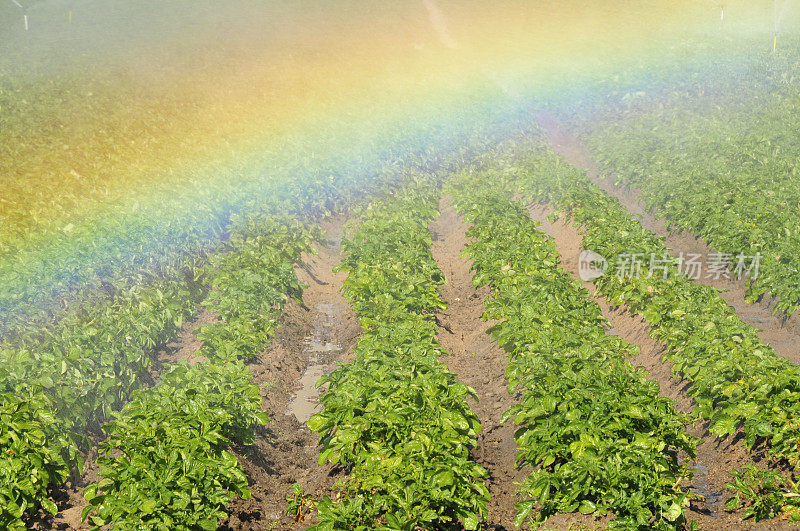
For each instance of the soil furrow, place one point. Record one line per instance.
(477, 362)
(775, 329)
(311, 339)
(715, 458)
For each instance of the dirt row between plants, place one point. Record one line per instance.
(479, 362)
(715, 458)
(311, 339)
(780, 332)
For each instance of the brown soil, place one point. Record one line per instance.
(187, 346)
(477, 362)
(286, 451)
(775, 329)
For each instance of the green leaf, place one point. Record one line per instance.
(674, 512)
(732, 503)
(471, 522)
(587, 507)
(524, 510)
(316, 422)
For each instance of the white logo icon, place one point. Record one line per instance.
(591, 265)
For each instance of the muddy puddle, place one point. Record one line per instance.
(317, 349)
(714, 500)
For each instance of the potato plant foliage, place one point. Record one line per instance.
(252, 279)
(395, 418)
(35, 454)
(88, 365)
(593, 428)
(721, 164)
(89, 309)
(165, 463)
(736, 379)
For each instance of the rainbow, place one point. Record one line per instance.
(125, 125)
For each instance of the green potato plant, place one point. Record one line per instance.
(721, 164)
(395, 418)
(593, 429)
(164, 464)
(37, 452)
(736, 379)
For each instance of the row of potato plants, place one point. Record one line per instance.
(61, 379)
(717, 157)
(165, 463)
(252, 282)
(103, 262)
(395, 419)
(90, 360)
(593, 428)
(737, 381)
(57, 391)
(61, 383)
(61, 256)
